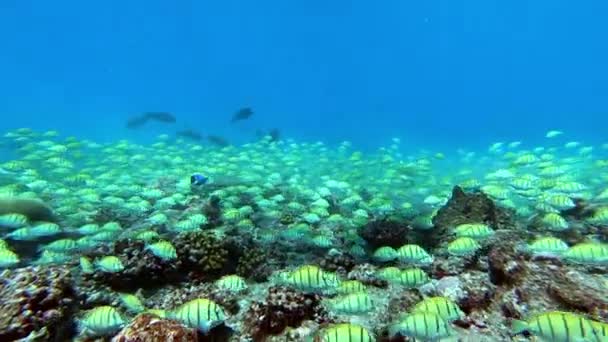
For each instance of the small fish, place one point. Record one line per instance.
(131, 302)
(197, 179)
(424, 326)
(588, 253)
(443, 306)
(310, 277)
(414, 254)
(463, 246)
(101, 320)
(8, 258)
(242, 114)
(352, 303)
(218, 141)
(474, 230)
(163, 249)
(557, 326)
(350, 286)
(13, 221)
(86, 266)
(62, 246)
(201, 313)
(553, 134)
(345, 332)
(190, 134)
(391, 274)
(49, 258)
(160, 313)
(109, 264)
(147, 236)
(555, 222)
(547, 246)
(413, 277)
(45, 229)
(232, 283)
(385, 254)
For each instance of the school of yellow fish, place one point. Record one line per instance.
(79, 178)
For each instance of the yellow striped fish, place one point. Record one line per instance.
(555, 222)
(8, 258)
(557, 326)
(232, 283)
(413, 277)
(414, 254)
(100, 321)
(163, 250)
(201, 313)
(463, 246)
(473, 230)
(131, 302)
(547, 246)
(310, 277)
(109, 264)
(350, 286)
(345, 332)
(442, 306)
(391, 273)
(13, 220)
(588, 253)
(385, 254)
(353, 303)
(601, 330)
(425, 326)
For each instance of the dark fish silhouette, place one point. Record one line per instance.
(217, 140)
(160, 116)
(190, 134)
(242, 114)
(140, 120)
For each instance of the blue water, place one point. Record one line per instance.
(435, 73)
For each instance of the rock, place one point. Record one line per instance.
(37, 301)
(385, 232)
(149, 328)
(474, 207)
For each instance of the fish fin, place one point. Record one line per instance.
(394, 330)
(517, 326)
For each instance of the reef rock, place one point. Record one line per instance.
(150, 328)
(37, 301)
(475, 207)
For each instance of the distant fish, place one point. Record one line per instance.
(140, 120)
(217, 140)
(198, 179)
(190, 134)
(274, 134)
(242, 114)
(553, 134)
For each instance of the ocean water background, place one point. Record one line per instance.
(437, 74)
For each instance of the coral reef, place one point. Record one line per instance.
(366, 274)
(37, 301)
(142, 268)
(282, 308)
(252, 264)
(338, 262)
(473, 207)
(150, 328)
(385, 232)
(203, 255)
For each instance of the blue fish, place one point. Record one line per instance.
(198, 179)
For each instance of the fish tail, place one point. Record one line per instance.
(517, 326)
